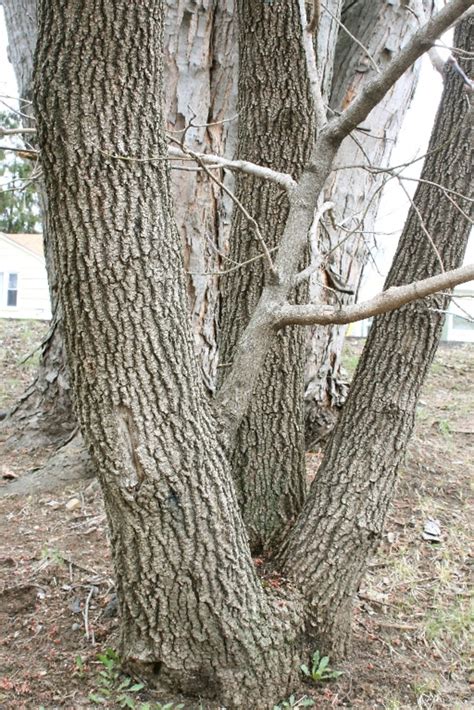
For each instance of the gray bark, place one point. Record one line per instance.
(43, 415)
(194, 617)
(382, 28)
(342, 520)
(276, 127)
(200, 60)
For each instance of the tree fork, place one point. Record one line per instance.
(194, 616)
(343, 517)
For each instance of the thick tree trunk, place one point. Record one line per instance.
(201, 71)
(193, 613)
(276, 128)
(43, 415)
(382, 28)
(343, 517)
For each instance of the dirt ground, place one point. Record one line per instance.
(414, 612)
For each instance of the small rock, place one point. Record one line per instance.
(73, 504)
(75, 627)
(75, 606)
(432, 531)
(111, 609)
(8, 474)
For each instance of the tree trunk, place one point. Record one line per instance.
(201, 58)
(343, 517)
(193, 613)
(43, 415)
(201, 68)
(382, 28)
(276, 127)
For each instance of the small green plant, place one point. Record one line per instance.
(114, 687)
(80, 666)
(445, 427)
(292, 702)
(51, 555)
(320, 670)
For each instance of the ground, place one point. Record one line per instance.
(413, 613)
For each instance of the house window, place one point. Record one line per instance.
(8, 289)
(12, 290)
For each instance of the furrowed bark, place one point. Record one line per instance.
(253, 345)
(43, 415)
(194, 616)
(201, 59)
(276, 128)
(383, 28)
(342, 520)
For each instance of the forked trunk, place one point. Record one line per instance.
(194, 616)
(342, 521)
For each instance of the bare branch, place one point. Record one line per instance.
(15, 131)
(232, 268)
(312, 68)
(309, 271)
(212, 162)
(389, 300)
(237, 203)
(28, 154)
(376, 89)
(243, 166)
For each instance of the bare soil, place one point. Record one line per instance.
(414, 612)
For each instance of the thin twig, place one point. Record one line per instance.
(233, 268)
(15, 131)
(357, 41)
(238, 204)
(425, 231)
(86, 617)
(312, 68)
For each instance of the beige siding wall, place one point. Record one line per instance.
(32, 284)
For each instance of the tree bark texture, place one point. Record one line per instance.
(276, 128)
(201, 58)
(43, 415)
(193, 613)
(382, 28)
(343, 517)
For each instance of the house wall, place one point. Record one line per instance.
(33, 294)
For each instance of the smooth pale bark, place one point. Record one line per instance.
(194, 616)
(382, 28)
(342, 521)
(201, 57)
(276, 127)
(43, 415)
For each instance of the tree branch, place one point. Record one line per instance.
(243, 166)
(376, 89)
(389, 300)
(15, 131)
(254, 343)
